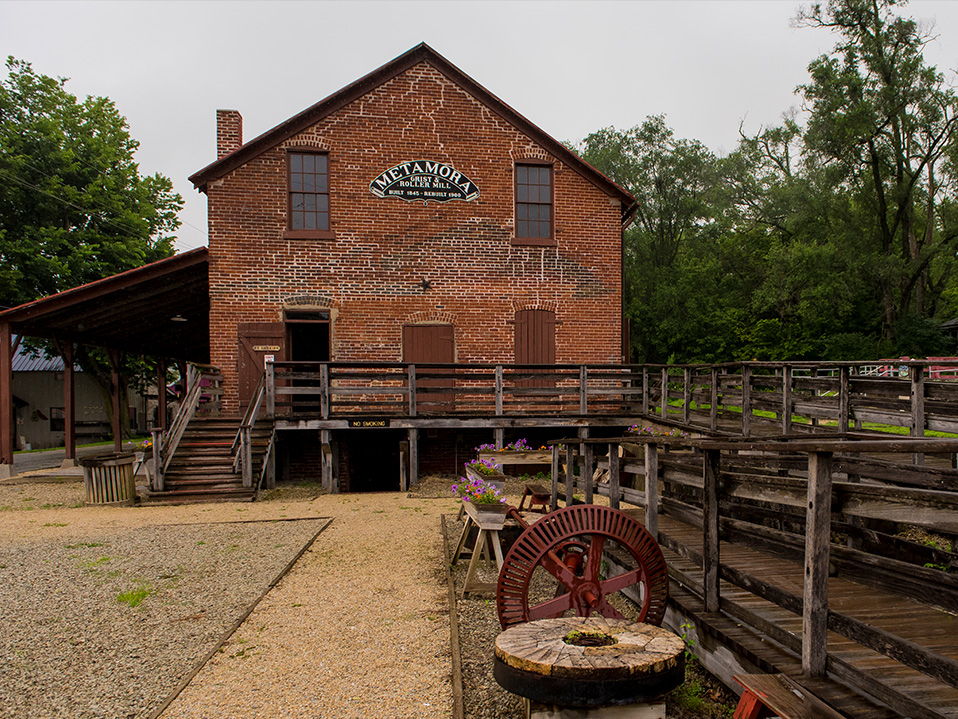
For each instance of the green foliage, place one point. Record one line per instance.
(74, 207)
(134, 597)
(836, 240)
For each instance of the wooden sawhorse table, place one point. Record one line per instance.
(489, 526)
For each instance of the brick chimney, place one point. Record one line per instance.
(229, 132)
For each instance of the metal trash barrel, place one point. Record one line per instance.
(109, 479)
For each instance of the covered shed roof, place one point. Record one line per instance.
(160, 310)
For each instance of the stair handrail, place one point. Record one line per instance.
(183, 415)
(242, 447)
(266, 457)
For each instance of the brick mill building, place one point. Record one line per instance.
(411, 217)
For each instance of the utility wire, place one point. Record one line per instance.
(85, 210)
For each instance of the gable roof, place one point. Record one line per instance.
(420, 53)
(132, 311)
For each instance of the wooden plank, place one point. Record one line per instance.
(783, 697)
(746, 400)
(710, 534)
(614, 476)
(652, 489)
(817, 537)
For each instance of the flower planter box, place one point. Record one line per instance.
(497, 479)
(543, 456)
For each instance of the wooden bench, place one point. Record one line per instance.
(538, 496)
(769, 695)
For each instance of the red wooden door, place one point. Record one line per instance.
(256, 340)
(536, 342)
(427, 344)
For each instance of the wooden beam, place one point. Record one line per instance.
(746, 400)
(652, 489)
(786, 399)
(8, 423)
(686, 394)
(713, 400)
(413, 456)
(69, 404)
(710, 529)
(161, 392)
(115, 391)
(664, 399)
(917, 408)
(614, 475)
(554, 499)
(817, 537)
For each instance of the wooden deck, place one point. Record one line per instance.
(805, 556)
(910, 620)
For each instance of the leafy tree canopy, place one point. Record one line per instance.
(73, 205)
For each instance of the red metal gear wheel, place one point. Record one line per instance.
(578, 575)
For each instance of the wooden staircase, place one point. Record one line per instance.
(202, 468)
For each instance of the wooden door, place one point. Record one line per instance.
(427, 344)
(536, 343)
(256, 340)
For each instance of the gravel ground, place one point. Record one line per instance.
(359, 627)
(363, 607)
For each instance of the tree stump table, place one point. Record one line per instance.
(590, 667)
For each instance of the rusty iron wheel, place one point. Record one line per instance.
(569, 544)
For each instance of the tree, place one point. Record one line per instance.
(887, 121)
(73, 204)
(674, 280)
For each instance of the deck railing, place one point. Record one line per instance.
(824, 501)
(738, 398)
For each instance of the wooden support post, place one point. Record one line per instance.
(817, 537)
(325, 437)
(114, 356)
(554, 499)
(746, 400)
(710, 515)
(499, 435)
(8, 424)
(413, 456)
(157, 476)
(645, 389)
(587, 467)
(498, 392)
(69, 406)
(411, 372)
(713, 401)
(404, 466)
(843, 404)
(271, 391)
(583, 397)
(665, 393)
(614, 475)
(786, 399)
(161, 393)
(184, 379)
(247, 446)
(917, 408)
(652, 489)
(686, 394)
(325, 390)
(569, 474)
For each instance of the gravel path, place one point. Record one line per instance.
(360, 618)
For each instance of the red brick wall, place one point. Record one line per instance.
(370, 273)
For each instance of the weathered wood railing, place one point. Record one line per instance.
(741, 398)
(201, 384)
(242, 448)
(794, 496)
(337, 389)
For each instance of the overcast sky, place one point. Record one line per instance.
(570, 67)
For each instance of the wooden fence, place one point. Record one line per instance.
(825, 501)
(746, 398)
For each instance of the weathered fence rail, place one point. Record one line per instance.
(826, 502)
(746, 398)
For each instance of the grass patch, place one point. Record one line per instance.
(134, 597)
